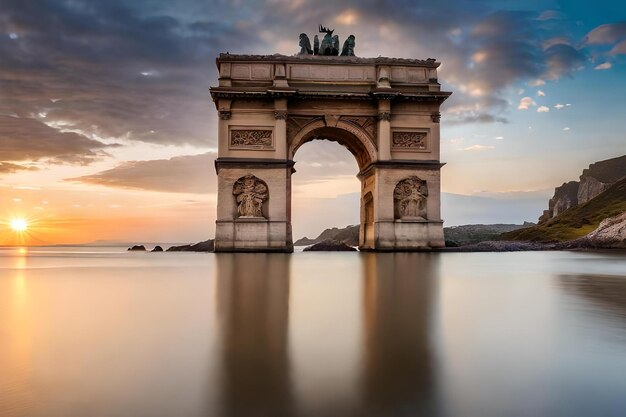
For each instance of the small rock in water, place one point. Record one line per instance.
(137, 248)
(157, 248)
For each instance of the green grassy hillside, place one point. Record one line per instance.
(577, 221)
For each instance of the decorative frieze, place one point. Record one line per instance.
(411, 141)
(251, 138)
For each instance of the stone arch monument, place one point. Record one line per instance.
(385, 111)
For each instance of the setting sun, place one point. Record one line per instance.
(19, 225)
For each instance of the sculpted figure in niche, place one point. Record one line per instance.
(250, 193)
(409, 199)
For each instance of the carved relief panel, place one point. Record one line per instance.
(250, 193)
(251, 138)
(409, 199)
(409, 141)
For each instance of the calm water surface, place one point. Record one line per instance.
(102, 332)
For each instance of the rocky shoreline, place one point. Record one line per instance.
(205, 246)
(610, 234)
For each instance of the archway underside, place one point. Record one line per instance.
(357, 143)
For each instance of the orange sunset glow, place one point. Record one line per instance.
(19, 225)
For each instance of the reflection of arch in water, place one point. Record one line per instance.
(253, 310)
(399, 374)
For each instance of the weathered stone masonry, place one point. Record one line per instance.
(385, 111)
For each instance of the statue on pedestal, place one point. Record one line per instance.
(329, 45)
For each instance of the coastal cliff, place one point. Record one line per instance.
(577, 221)
(596, 179)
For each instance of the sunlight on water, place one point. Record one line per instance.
(104, 332)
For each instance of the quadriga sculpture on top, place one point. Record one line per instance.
(329, 45)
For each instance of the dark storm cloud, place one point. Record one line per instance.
(182, 174)
(27, 139)
(111, 69)
(484, 51)
(140, 70)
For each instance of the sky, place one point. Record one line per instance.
(108, 133)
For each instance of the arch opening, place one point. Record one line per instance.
(356, 142)
(325, 190)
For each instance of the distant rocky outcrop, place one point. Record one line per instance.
(206, 246)
(475, 233)
(157, 248)
(330, 245)
(454, 236)
(596, 179)
(137, 248)
(348, 235)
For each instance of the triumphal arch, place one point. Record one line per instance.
(385, 111)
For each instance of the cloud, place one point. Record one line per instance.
(478, 148)
(562, 60)
(603, 66)
(139, 71)
(619, 49)
(28, 139)
(470, 117)
(606, 34)
(543, 109)
(566, 128)
(550, 15)
(347, 17)
(181, 174)
(541, 93)
(10, 168)
(525, 103)
(559, 106)
(89, 57)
